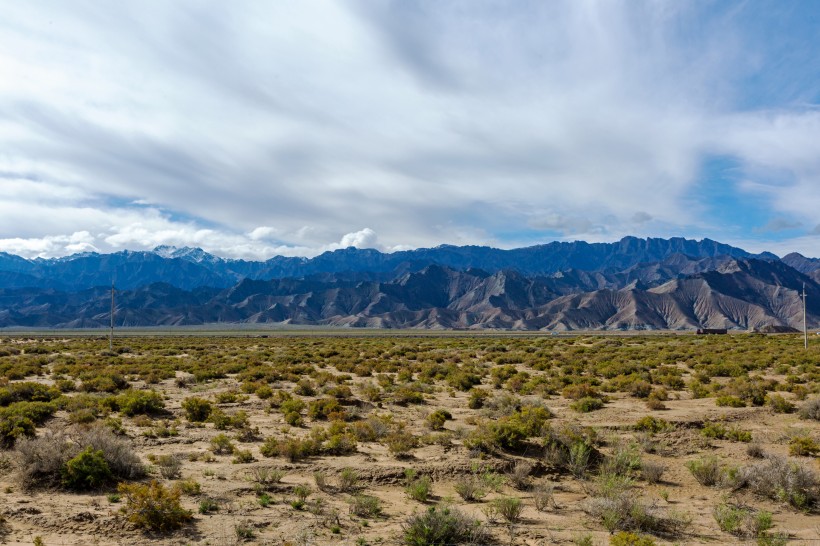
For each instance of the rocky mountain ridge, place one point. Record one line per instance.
(678, 293)
(189, 268)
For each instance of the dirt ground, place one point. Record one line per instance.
(57, 517)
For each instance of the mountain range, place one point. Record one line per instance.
(632, 284)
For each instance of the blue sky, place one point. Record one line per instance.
(259, 128)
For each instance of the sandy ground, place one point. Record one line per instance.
(61, 518)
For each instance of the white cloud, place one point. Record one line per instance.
(208, 124)
(365, 238)
(263, 232)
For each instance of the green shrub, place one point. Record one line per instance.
(365, 506)
(419, 489)
(779, 404)
(652, 424)
(578, 458)
(719, 431)
(270, 447)
(742, 521)
(88, 470)
(190, 487)
(27, 391)
(197, 410)
(470, 488)
(729, 401)
(42, 461)
(803, 446)
(706, 470)
(294, 449)
(442, 527)
(208, 505)
(622, 510)
(325, 408)
(14, 427)
(263, 392)
(20, 419)
(509, 508)
(292, 405)
(580, 391)
(437, 419)
(140, 402)
(221, 445)
(153, 506)
(509, 432)
(400, 443)
(477, 398)
(624, 538)
(104, 383)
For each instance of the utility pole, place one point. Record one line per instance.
(111, 335)
(805, 329)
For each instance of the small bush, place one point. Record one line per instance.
(437, 419)
(169, 466)
(42, 460)
(189, 487)
(706, 470)
(624, 460)
(443, 526)
(324, 408)
(587, 404)
(578, 459)
(652, 424)
(519, 475)
(509, 508)
(208, 505)
(783, 480)
(244, 530)
(543, 496)
(365, 506)
(477, 398)
(153, 506)
(624, 511)
(755, 450)
(88, 470)
(803, 446)
(624, 538)
(197, 410)
(730, 401)
(348, 480)
(419, 489)
(242, 456)
(400, 443)
(297, 449)
(719, 431)
(470, 488)
(580, 391)
(20, 420)
(221, 445)
(652, 472)
(266, 475)
(811, 409)
(779, 404)
(140, 402)
(742, 521)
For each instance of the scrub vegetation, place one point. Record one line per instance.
(410, 439)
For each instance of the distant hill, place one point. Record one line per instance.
(678, 292)
(189, 268)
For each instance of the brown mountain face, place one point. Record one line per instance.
(720, 293)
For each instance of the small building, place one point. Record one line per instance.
(707, 331)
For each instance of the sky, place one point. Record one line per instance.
(256, 128)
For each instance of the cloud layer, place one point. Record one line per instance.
(260, 128)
